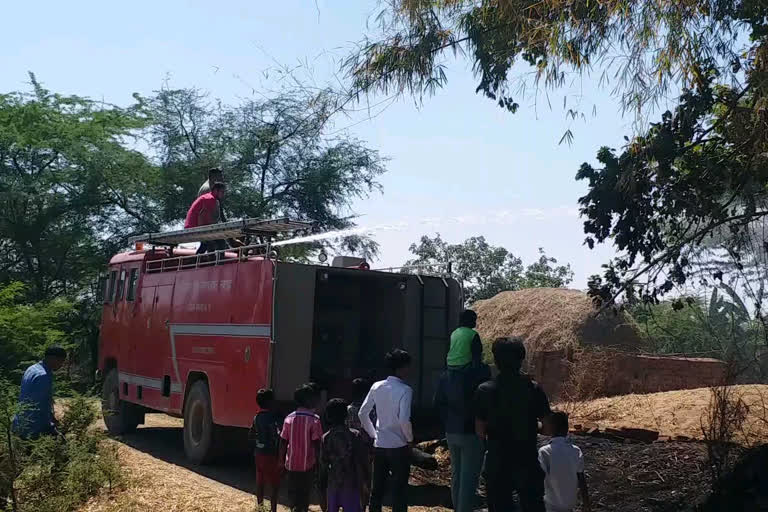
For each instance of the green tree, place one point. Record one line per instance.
(696, 176)
(73, 190)
(26, 329)
(486, 270)
(640, 48)
(282, 156)
(677, 327)
(546, 273)
(719, 326)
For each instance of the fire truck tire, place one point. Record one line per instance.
(199, 429)
(120, 417)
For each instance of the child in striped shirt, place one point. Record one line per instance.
(300, 446)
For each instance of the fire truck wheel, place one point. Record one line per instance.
(120, 417)
(199, 429)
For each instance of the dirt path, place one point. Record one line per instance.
(161, 479)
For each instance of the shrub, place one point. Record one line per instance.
(59, 473)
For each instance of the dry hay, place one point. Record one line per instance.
(156, 485)
(554, 319)
(672, 413)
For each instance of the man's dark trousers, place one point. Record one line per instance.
(398, 461)
(509, 471)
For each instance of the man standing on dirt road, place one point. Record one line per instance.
(36, 417)
(507, 410)
(393, 434)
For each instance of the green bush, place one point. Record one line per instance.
(59, 473)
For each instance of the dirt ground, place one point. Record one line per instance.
(672, 413)
(160, 478)
(657, 477)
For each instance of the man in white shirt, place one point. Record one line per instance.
(393, 434)
(563, 465)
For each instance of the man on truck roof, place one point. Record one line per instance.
(215, 175)
(205, 211)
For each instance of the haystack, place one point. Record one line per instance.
(554, 319)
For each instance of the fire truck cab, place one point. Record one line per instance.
(195, 336)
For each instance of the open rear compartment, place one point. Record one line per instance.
(359, 317)
(333, 325)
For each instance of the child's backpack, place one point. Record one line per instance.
(264, 434)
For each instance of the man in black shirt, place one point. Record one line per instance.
(507, 410)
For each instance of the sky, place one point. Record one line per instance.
(458, 164)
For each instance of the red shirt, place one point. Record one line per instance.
(301, 428)
(205, 204)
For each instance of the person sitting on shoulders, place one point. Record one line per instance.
(466, 346)
(454, 401)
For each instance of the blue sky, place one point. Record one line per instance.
(459, 164)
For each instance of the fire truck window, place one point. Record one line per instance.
(132, 284)
(101, 293)
(120, 286)
(111, 291)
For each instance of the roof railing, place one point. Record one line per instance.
(206, 259)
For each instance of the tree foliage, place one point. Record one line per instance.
(27, 329)
(281, 156)
(693, 186)
(79, 176)
(641, 47)
(72, 189)
(486, 270)
(719, 325)
(546, 273)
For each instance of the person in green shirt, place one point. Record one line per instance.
(466, 347)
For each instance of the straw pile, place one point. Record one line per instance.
(554, 319)
(673, 413)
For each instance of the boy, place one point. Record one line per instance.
(563, 465)
(465, 345)
(300, 446)
(265, 432)
(343, 460)
(393, 433)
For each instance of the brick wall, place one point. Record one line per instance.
(609, 373)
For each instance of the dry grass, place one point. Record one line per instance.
(156, 485)
(673, 413)
(552, 319)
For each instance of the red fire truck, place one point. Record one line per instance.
(195, 336)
